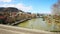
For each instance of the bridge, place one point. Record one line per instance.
(6, 29)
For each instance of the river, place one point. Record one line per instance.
(37, 23)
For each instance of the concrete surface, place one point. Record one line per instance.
(4, 29)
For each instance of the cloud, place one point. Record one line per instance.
(19, 6)
(23, 7)
(5, 0)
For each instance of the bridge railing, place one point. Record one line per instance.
(8, 29)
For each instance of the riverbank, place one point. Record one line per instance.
(21, 21)
(18, 22)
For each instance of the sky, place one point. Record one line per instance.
(33, 6)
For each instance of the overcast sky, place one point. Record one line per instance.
(33, 6)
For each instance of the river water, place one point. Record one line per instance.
(37, 23)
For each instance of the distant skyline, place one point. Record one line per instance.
(33, 6)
